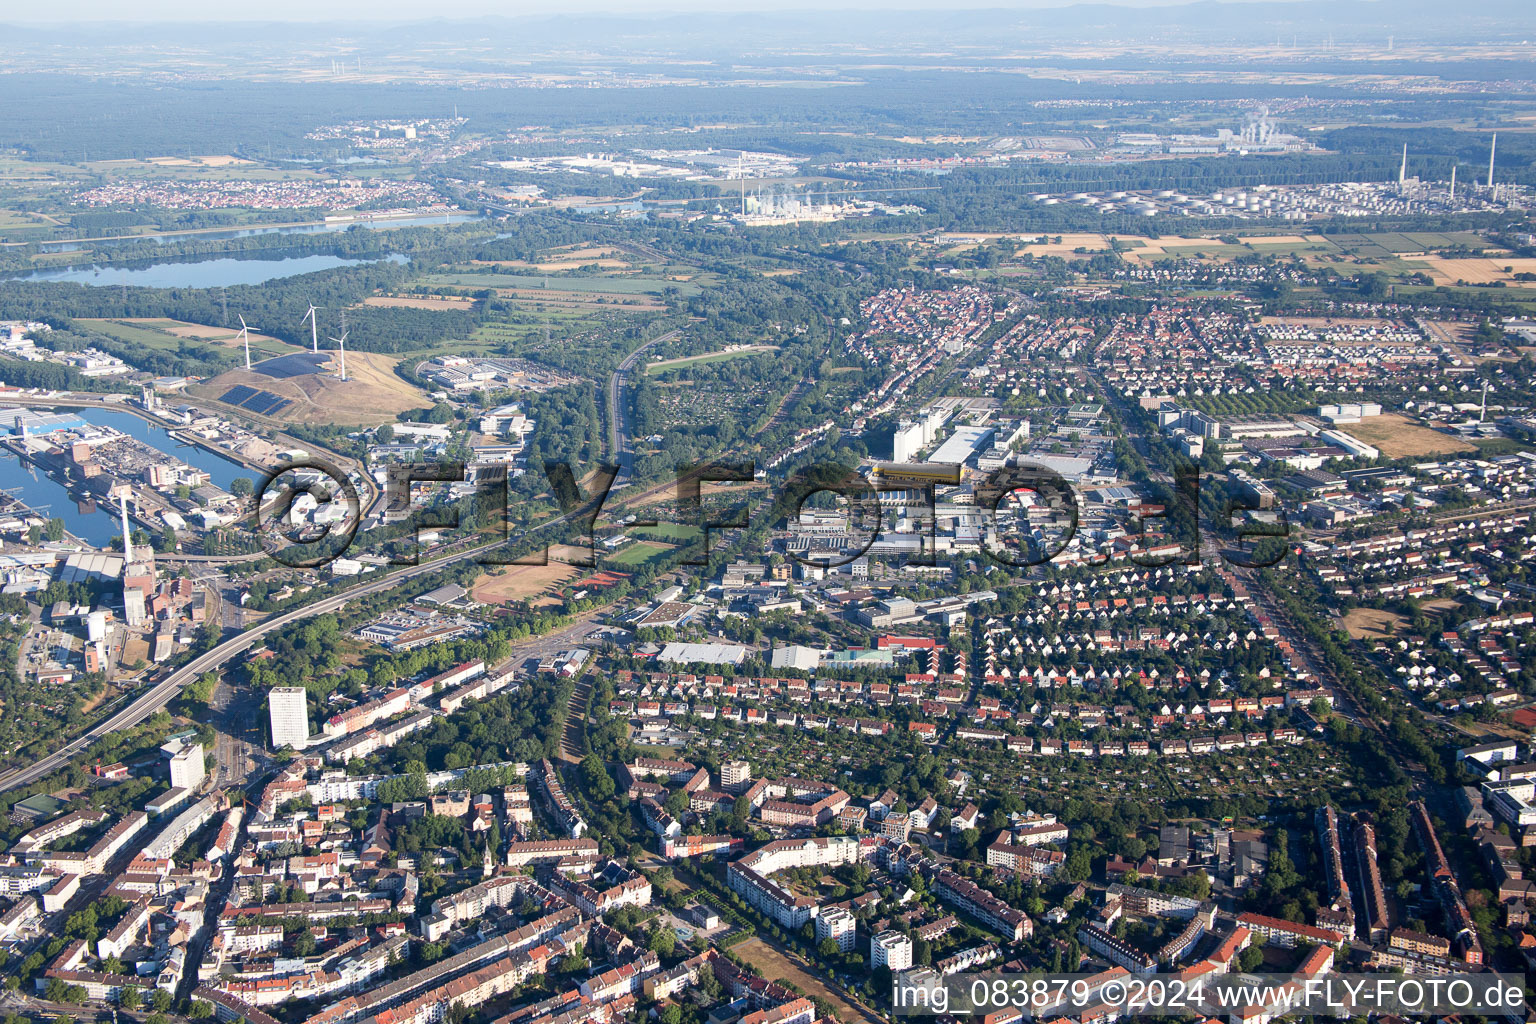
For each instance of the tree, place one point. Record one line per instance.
(201, 1010)
(55, 529)
(385, 434)
(128, 998)
(599, 783)
(576, 959)
(1078, 865)
(59, 991)
(1250, 958)
(161, 1000)
(1372, 286)
(663, 942)
(242, 487)
(304, 945)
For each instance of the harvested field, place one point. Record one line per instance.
(1399, 438)
(196, 161)
(1475, 271)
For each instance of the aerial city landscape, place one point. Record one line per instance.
(753, 517)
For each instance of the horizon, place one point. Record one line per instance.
(155, 12)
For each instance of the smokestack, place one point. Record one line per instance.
(127, 535)
(1453, 180)
(1492, 148)
(1402, 172)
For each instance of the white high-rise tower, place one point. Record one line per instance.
(288, 708)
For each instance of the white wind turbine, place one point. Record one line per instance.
(342, 344)
(314, 327)
(245, 336)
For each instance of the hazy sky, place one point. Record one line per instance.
(64, 11)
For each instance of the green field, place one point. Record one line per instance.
(1292, 248)
(561, 283)
(151, 337)
(672, 533)
(639, 553)
(1387, 243)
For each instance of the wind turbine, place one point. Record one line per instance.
(314, 326)
(245, 336)
(342, 344)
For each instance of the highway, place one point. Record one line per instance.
(618, 412)
(163, 692)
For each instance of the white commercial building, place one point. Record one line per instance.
(187, 770)
(804, 659)
(962, 444)
(907, 441)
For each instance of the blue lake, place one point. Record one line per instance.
(215, 273)
(374, 224)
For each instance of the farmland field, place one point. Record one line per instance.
(1476, 270)
(524, 282)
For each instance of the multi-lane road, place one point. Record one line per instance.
(619, 438)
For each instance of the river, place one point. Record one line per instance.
(99, 525)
